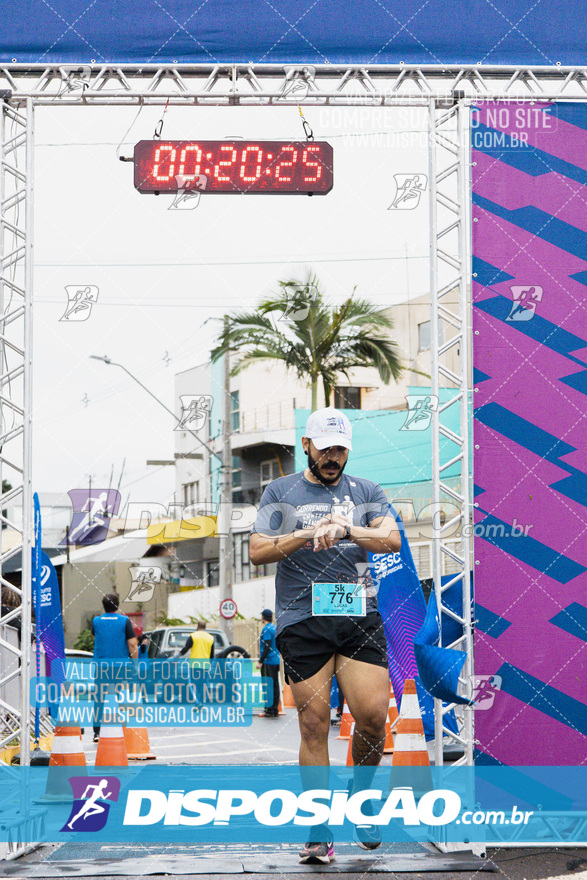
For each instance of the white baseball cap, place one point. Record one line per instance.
(329, 427)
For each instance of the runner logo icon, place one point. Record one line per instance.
(525, 298)
(420, 409)
(90, 806)
(485, 688)
(409, 189)
(92, 511)
(80, 300)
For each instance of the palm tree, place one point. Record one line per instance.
(315, 340)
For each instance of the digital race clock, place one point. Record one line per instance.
(234, 167)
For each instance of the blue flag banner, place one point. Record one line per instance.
(47, 603)
(403, 608)
(51, 622)
(439, 668)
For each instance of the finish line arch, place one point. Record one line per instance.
(451, 222)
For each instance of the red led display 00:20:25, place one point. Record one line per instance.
(234, 167)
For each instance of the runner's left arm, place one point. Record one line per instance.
(380, 536)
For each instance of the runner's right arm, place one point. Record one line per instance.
(274, 513)
(264, 549)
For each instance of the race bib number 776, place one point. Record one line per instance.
(335, 600)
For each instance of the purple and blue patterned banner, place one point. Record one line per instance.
(530, 386)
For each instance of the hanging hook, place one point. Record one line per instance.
(307, 127)
(159, 126)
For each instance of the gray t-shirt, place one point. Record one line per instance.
(293, 502)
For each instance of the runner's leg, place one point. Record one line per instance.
(366, 689)
(312, 699)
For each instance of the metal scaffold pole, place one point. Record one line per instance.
(16, 234)
(225, 508)
(16, 360)
(27, 477)
(450, 388)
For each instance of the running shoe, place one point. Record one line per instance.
(320, 853)
(367, 836)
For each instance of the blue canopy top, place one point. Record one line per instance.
(508, 32)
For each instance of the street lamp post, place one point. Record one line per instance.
(225, 509)
(224, 518)
(107, 360)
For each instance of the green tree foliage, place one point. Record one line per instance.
(85, 641)
(314, 339)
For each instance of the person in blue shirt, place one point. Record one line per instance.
(114, 637)
(269, 660)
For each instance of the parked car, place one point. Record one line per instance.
(167, 641)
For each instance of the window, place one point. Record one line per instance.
(191, 493)
(237, 478)
(424, 335)
(212, 574)
(236, 472)
(346, 397)
(155, 643)
(269, 471)
(218, 642)
(242, 567)
(178, 638)
(234, 411)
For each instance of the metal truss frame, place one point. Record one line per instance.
(324, 84)
(446, 91)
(448, 156)
(16, 268)
(16, 261)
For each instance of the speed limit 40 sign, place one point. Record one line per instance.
(228, 609)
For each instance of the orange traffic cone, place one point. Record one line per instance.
(138, 747)
(67, 748)
(67, 752)
(392, 716)
(346, 723)
(349, 754)
(288, 700)
(111, 748)
(410, 745)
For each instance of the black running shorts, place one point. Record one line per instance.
(308, 645)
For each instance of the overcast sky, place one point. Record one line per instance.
(161, 274)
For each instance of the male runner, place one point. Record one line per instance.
(318, 526)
